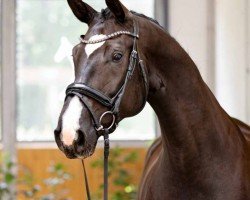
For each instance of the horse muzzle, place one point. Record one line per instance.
(78, 148)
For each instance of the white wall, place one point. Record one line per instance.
(231, 54)
(216, 35)
(191, 23)
(248, 62)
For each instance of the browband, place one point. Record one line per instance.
(110, 36)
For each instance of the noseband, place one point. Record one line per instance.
(82, 90)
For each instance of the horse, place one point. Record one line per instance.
(155, 149)
(126, 59)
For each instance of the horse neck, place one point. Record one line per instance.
(191, 120)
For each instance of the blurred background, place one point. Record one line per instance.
(36, 40)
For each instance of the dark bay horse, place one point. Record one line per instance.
(154, 153)
(203, 153)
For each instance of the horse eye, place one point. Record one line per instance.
(117, 57)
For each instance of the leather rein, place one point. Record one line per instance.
(82, 90)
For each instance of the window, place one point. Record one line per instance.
(46, 34)
(1, 69)
(248, 94)
(248, 62)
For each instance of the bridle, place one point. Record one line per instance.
(82, 90)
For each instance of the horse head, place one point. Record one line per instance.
(110, 78)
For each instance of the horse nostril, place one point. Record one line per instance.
(57, 132)
(80, 138)
(57, 135)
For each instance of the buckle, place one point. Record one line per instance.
(101, 127)
(134, 54)
(106, 142)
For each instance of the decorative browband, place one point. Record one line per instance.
(112, 35)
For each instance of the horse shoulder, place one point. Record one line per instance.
(150, 162)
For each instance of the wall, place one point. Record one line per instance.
(191, 23)
(38, 161)
(232, 56)
(248, 63)
(216, 35)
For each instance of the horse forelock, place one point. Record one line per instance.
(106, 14)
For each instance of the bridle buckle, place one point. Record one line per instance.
(101, 126)
(134, 54)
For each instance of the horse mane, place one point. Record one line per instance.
(106, 13)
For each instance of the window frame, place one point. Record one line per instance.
(1, 17)
(8, 76)
(248, 61)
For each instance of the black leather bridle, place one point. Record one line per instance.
(82, 90)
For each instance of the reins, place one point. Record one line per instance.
(86, 179)
(113, 104)
(105, 172)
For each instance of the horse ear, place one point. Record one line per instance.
(118, 9)
(82, 11)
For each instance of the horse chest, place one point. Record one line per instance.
(160, 183)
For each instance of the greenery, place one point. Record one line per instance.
(36, 30)
(7, 177)
(25, 182)
(39, 32)
(119, 177)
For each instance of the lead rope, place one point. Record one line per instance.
(134, 58)
(106, 156)
(86, 180)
